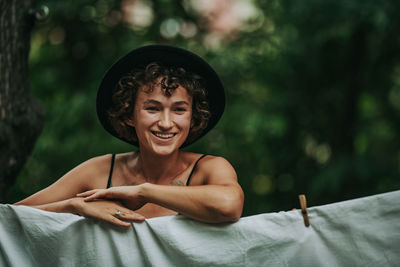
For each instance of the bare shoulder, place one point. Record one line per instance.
(96, 162)
(217, 170)
(215, 161)
(93, 172)
(87, 175)
(90, 174)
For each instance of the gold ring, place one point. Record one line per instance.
(117, 213)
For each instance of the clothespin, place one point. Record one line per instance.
(303, 205)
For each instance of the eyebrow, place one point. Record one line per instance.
(155, 102)
(178, 103)
(151, 101)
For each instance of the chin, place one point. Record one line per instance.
(164, 150)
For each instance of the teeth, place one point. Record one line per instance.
(161, 135)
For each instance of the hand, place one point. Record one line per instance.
(129, 195)
(106, 210)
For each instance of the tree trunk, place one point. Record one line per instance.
(21, 117)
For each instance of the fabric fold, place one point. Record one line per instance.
(359, 232)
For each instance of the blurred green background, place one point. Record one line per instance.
(313, 90)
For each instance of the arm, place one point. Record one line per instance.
(104, 210)
(81, 178)
(60, 196)
(207, 203)
(218, 198)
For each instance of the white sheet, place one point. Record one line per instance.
(360, 232)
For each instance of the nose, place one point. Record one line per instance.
(165, 121)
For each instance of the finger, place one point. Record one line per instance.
(112, 219)
(97, 195)
(87, 193)
(91, 197)
(131, 216)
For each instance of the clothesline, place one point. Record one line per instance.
(360, 232)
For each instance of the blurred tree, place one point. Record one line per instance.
(325, 101)
(20, 115)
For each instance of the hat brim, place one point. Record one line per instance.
(167, 56)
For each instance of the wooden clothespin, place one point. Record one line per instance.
(303, 205)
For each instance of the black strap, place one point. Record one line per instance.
(109, 184)
(194, 168)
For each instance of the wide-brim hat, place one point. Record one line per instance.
(166, 56)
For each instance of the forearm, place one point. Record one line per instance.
(100, 210)
(207, 203)
(63, 206)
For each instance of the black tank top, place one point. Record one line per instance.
(109, 183)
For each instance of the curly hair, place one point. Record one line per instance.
(126, 90)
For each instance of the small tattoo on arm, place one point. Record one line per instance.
(177, 182)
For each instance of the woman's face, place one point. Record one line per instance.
(162, 123)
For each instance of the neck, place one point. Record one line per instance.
(159, 169)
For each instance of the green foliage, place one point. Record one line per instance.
(313, 94)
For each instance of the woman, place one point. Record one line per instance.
(159, 98)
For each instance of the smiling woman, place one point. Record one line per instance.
(152, 79)
(160, 99)
(162, 121)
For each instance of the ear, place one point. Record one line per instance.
(191, 124)
(130, 122)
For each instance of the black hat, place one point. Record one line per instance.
(167, 56)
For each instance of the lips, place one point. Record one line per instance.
(164, 135)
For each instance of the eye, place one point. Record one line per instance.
(180, 109)
(152, 108)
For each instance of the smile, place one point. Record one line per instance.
(164, 135)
